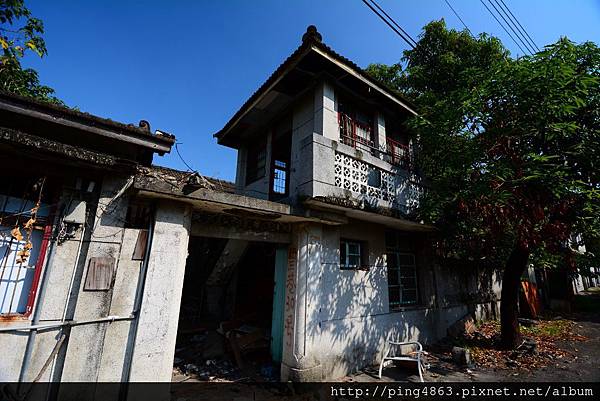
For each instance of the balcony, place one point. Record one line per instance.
(347, 170)
(359, 135)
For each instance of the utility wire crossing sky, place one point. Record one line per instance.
(188, 66)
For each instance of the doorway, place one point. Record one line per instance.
(231, 313)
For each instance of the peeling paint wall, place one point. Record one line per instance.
(102, 351)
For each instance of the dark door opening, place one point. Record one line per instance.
(226, 314)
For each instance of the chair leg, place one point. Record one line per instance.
(382, 362)
(420, 368)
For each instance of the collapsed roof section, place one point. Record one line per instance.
(311, 62)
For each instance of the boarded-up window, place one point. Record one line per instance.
(140, 245)
(99, 274)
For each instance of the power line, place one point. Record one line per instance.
(510, 24)
(393, 21)
(182, 159)
(521, 26)
(458, 16)
(407, 38)
(500, 23)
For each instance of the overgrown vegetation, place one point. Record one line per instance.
(21, 33)
(511, 151)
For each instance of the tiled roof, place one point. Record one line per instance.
(312, 38)
(180, 178)
(143, 128)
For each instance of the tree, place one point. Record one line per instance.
(517, 176)
(21, 33)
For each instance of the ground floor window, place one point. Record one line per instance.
(402, 279)
(353, 255)
(23, 225)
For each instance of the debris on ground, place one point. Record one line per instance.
(538, 349)
(461, 356)
(231, 353)
(466, 325)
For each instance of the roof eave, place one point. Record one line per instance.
(291, 62)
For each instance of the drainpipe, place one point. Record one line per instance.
(136, 311)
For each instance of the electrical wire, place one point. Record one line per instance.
(522, 28)
(510, 25)
(458, 16)
(394, 21)
(408, 39)
(501, 25)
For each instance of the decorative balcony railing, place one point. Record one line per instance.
(375, 184)
(398, 154)
(363, 178)
(355, 133)
(360, 136)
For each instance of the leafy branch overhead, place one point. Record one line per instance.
(510, 148)
(21, 33)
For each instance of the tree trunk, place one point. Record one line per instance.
(511, 283)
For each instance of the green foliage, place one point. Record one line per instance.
(20, 33)
(510, 148)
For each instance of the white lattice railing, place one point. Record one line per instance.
(363, 178)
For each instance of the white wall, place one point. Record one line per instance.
(345, 316)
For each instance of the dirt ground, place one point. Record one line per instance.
(578, 360)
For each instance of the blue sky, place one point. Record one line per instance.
(187, 66)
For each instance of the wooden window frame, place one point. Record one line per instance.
(362, 254)
(39, 265)
(400, 276)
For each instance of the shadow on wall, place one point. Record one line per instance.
(349, 320)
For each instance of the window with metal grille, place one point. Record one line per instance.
(280, 177)
(281, 149)
(353, 255)
(402, 279)
(24, 235)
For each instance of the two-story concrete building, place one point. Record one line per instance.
(327, 139)
(313, 251)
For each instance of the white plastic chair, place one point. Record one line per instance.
(414, 356)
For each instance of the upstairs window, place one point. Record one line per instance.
(256, 162)
(353, 255)
(356, 127)
(281, 147)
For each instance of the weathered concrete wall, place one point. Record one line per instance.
(101, 351)
(305, 117)
(154, 346)
(342, 318)
(106, 239)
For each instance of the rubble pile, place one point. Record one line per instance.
(207, 355)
